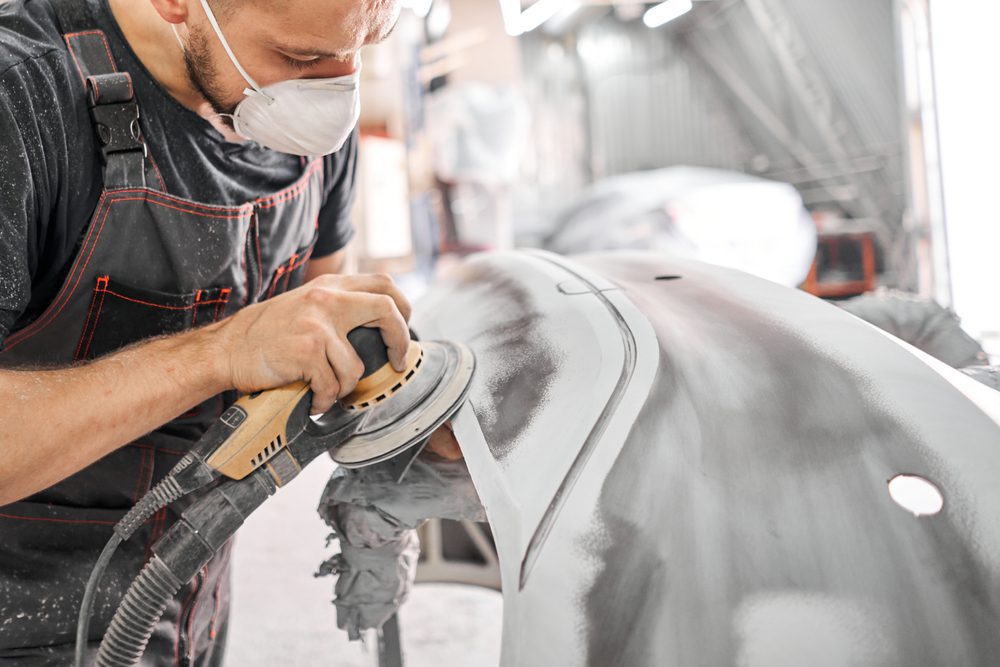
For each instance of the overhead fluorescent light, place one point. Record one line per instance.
(558, 24)
(542, 11)
(511, 12)
(665, 12)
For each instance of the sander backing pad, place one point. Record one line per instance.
(423, 403)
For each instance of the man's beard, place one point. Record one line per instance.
(204, 76)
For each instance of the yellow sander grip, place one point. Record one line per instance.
(384, 382)
(262, 431)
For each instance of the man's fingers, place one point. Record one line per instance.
(345, 364)
(325, 387)
(378, 284)
(396, 335)
(380, 311)
(444, 444)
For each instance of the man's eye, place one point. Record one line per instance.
(299, 64)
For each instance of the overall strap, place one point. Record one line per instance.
(110, 97)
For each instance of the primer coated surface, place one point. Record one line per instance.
(744, 518)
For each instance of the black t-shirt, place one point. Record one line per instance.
(50, 166)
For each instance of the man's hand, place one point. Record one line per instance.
(302, 335)
(444, 444)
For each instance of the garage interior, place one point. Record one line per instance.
(577, 126)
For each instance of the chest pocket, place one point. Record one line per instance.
(285, 264)
(291, 273)
(120, 315)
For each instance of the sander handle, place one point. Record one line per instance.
(368, 343)
(256, 428)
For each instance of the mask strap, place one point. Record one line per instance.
(177, 36)
(229, 51)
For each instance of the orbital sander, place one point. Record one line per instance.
(260, 444)
(390, 411)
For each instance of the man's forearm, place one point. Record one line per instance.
(56, 422)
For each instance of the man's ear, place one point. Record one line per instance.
(172, 11)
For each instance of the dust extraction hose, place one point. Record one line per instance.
(189, 545)
(140, 609)
(189, 474)
(203, 528)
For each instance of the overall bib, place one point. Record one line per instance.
(149, 264)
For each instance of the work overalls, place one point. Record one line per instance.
(149, 264)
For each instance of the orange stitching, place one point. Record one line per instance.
(213, 625)
(67, 291)
(180, 619)
(223, 300)
(292, 190)
(305, 258)
(159, 176)
(292, 266)
(156, 305)
(165, 450)
(107, 49)
(72, 54)
(177, 208)
(194, 608)
(284, 197)
(231, 211)
(89, 332)
(97, 318)
(54, 520)
(142, 471)
(86, 323)
(82, 32)
(246, 275)
(114, 195)
(243, 211)
(106, 201)
(300, 184)
(194, 312)
(256, 240)
(274, 281)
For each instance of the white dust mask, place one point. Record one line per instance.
(301, 116)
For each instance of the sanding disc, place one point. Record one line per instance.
(415, 411)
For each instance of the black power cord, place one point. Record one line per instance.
(190, 473)
(203, 529)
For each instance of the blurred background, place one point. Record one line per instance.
(837, 146)
(845, 148)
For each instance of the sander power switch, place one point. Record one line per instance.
(262, 425)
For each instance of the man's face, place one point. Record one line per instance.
(279, 40)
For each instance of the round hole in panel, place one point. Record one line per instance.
(916, 495)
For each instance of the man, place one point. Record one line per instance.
(172, 170)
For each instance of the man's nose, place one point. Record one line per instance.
(336, 68)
